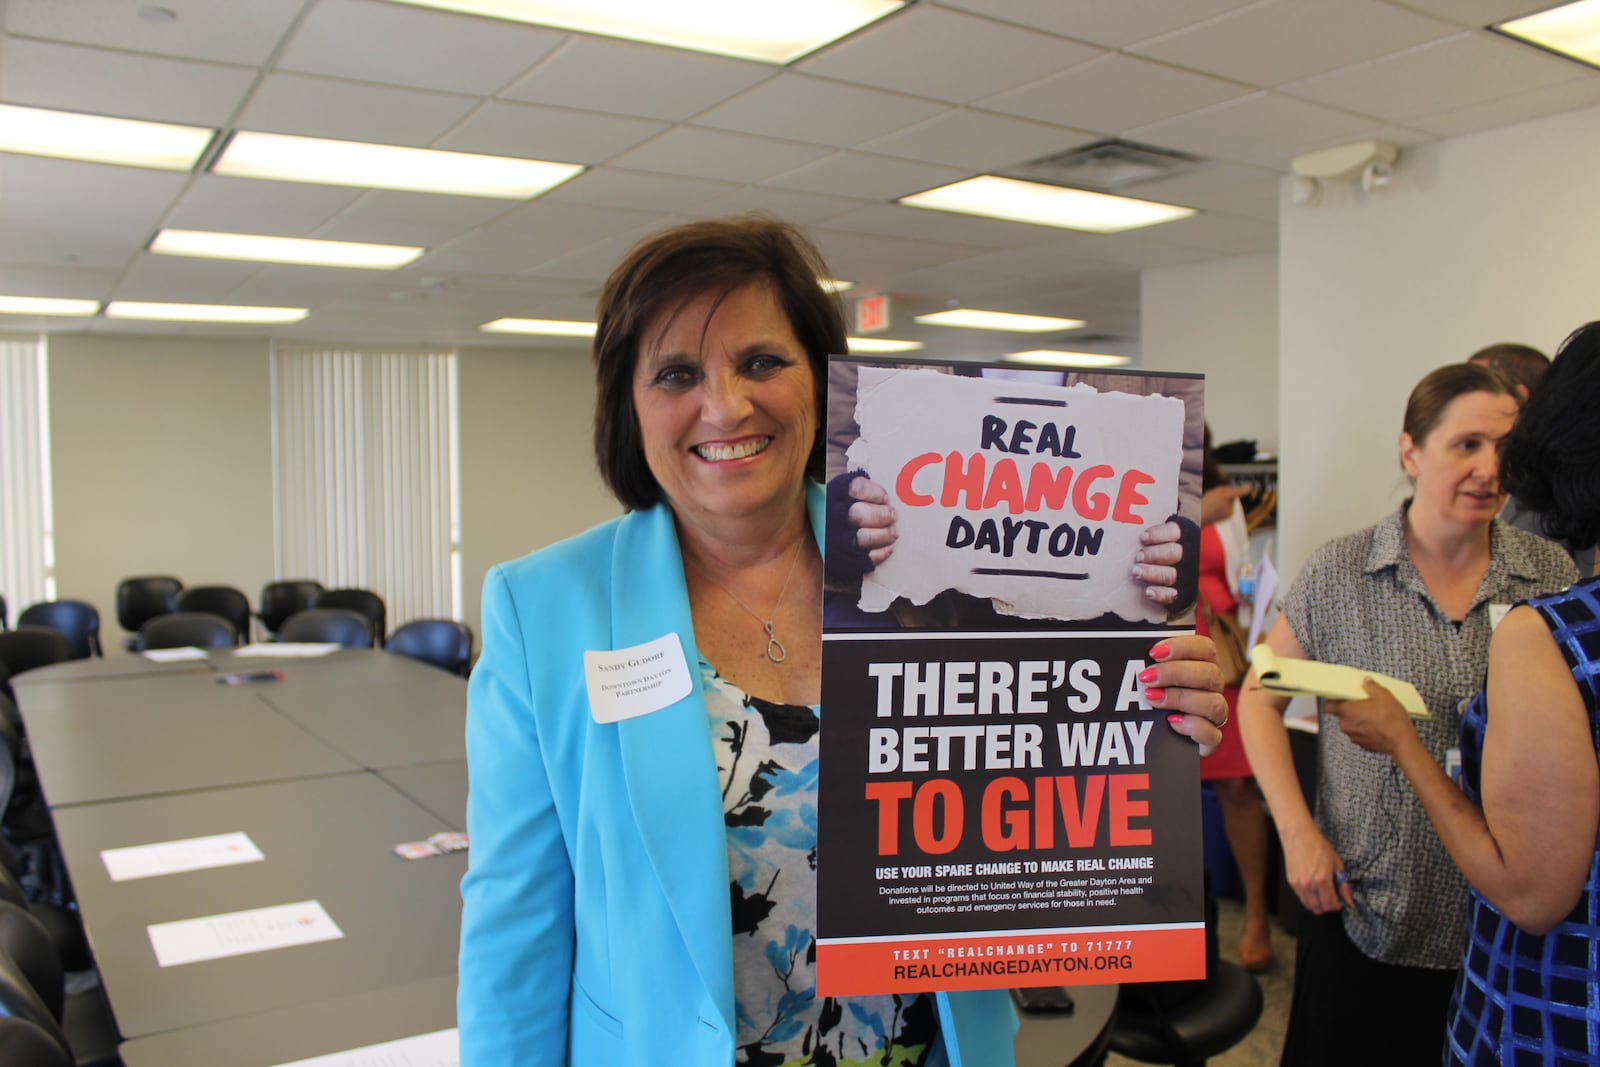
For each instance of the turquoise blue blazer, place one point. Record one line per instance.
(596, 927)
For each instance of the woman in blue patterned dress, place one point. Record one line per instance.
(642, 725)
(1524, 825)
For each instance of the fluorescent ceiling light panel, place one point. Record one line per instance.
(135, 309)
(1050, 357)
(881, 344)
(260, 249)
(835, 285)
(973, 319)
(36, 131)
(544, 327)
(279, 157)
(765, 31)
(47, 305)
(1046, 205)
(1572, 30)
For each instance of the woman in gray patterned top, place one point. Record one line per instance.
(1415, 597)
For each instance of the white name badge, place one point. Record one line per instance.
(1496, 613)
(625, 683)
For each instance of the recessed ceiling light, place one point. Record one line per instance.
(1572, 30)
(379, 166)
(835, 285)
(973, 319)
(47, 305)
(135, 309)
(257, 248)
(769, 33)
(546, 327)
(1050, 357)
(882, 344)
(37, 131)
(1046, 205)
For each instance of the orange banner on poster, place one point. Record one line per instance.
(862, 967)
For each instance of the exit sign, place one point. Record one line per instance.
(872, 314)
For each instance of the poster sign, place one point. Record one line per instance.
(999, 806)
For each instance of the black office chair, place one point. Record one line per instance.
(77, 620)
(5, 617)
(186, 629)
(143, 598)
(365, 601)
(39, 1040)
(28, 647)
(279, 600)
(223, 600)
(84, 1017)
(445, 643)
(338, 625)
(1185, 1023)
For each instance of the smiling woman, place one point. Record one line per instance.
(643, 723)
(1414, 597)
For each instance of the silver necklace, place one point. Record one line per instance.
(775, 650)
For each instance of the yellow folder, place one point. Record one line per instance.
(1308, 677)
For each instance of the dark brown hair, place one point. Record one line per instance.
(669, 269)
(1521, 365)
(1551, 460)
(1433, 394)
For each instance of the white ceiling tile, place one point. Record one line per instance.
(1112, 23)
(1235, 188)
(71, 78)
(500, 251)
(896, 220)
(1264, 129)
(945, 55)
(868, 259)
(578, 224)
(977, 140)
(311, 106)
(595, 262)
(1475, 13)
(801, 208)
(247, 205)
(294, 286)
(527, 131)
(69, 281)
(867, 177)
(1469, 68)
(396, 217)
(1217, 234)
(1524, 107)
(635, 79)
(1308, 37)
(400, 45)
(738, 157)
(118, 203)
(182, 279)
(227, 31)
(614, 187)
(50, 241)
(800, 108)
(1115, 93)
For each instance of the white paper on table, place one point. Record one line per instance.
(239, 933)
(1120, 454)
(173, 655)
(1266, 589)
(175, 857)
(287, 649)
(442, 1048)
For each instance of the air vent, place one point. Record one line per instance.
(1107, 165)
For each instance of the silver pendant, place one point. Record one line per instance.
(775, 650)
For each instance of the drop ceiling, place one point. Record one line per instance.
(937, 92)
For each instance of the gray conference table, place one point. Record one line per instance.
(328, 839)
(164, 731)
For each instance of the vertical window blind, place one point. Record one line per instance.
(27, 550)
(365, 477)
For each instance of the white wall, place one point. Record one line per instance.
(162, 462)
(1480, 239)
(1219, 318)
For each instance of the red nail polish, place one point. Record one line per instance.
(1147, 675)
(1174, 718)
(1161, 651)
(1155, 696)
